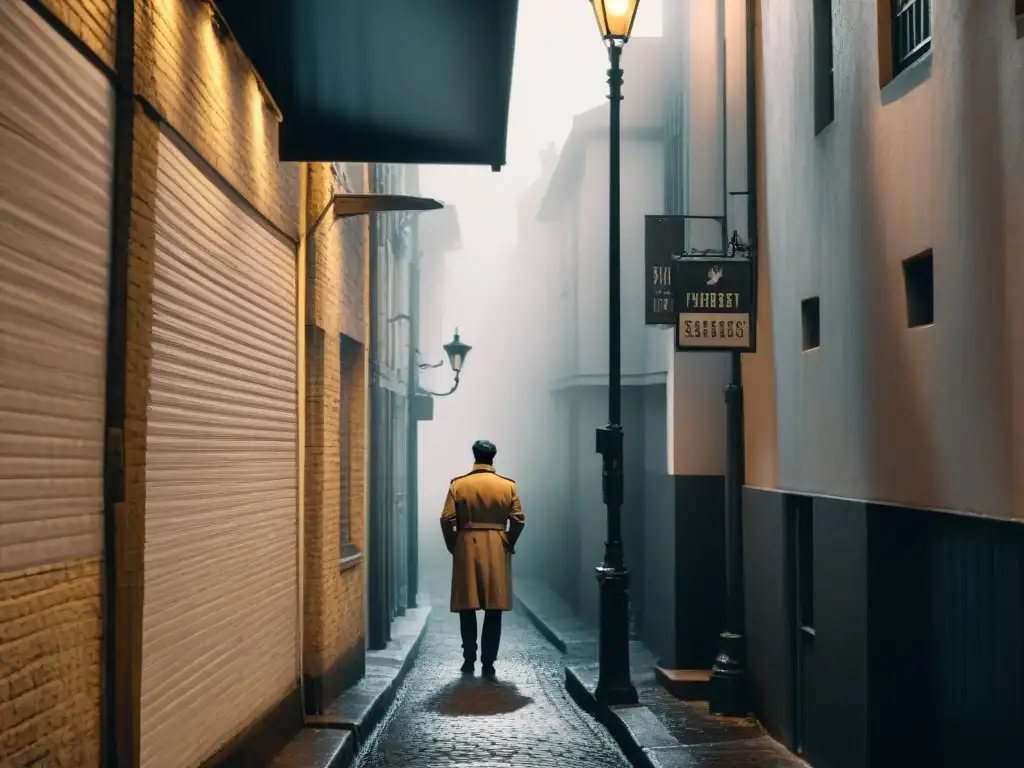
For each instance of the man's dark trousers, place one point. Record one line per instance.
(489, 638)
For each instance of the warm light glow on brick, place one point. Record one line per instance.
(260, 151)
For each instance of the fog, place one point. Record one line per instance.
(500, 288)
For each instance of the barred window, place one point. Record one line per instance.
(911, 32)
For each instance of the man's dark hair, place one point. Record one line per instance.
(484, 451)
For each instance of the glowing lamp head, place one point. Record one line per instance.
(615, 19)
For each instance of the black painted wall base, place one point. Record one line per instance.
(685, 566)
(906, 648)
(322, 690)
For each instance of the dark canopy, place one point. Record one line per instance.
(390, 81)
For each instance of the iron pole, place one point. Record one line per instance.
(614, 684)
(727, 692)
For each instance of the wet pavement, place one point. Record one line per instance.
(524, 718)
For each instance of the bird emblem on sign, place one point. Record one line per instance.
(714, 275)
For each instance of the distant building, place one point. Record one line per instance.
(575, 209)
(439, 235)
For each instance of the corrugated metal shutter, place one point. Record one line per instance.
(56, 154)
(219, 624)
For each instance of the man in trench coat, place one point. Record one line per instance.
(481, 522)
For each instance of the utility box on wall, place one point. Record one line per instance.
(422, 407)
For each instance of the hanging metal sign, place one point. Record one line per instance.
(714, 301)
(663, 236)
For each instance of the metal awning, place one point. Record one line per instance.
(342, 206)
(387, 81)
(354, 205)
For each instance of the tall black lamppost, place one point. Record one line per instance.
(614, 686)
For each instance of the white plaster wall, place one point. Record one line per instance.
(642, 192)
(923, 416)
(697, 379)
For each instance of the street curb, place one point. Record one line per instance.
(361, 708)
(635, 729)
(550, 634)
(609, 717)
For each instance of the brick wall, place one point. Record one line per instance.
(203, 89)
(333, 598)
(130, 515)
(51, 617)
(50, 625)
(206, 90)
(91, 21)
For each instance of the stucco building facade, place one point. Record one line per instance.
(882, 541)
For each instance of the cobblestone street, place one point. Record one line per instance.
(524, 718)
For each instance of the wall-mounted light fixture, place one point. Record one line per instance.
(224, 35)
(457, 350)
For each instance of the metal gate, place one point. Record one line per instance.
(56, 157)
(220, 615)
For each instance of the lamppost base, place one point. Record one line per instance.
(614, 685)
(727, 688)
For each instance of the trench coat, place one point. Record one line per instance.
(481, 522)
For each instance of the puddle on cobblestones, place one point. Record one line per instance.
(477, 697)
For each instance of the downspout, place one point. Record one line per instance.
(373, 528)
(300, 457)
(412, 481)
(119, 708)
(752, 180)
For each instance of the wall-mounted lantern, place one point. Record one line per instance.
(457, 350)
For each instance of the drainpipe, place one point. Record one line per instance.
(727, 694)
(300, 370)
(412, 472)
(752, 180)
(374, 534)
(120, 708)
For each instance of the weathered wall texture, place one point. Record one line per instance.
(50, 627)
(927, 416)
(206, 90)
(333, 598)
(91, 21)
(50, 614)
(201, 89)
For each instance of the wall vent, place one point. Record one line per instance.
(810, 320)
(919, 284)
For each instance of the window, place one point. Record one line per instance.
(919, 285)
(824, 77)
(810, 320)
(349, 422)
(911, 32)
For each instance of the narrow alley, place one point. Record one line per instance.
(677, 344)
(524, 717)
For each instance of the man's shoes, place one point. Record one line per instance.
(467, 667)
(487, 670)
